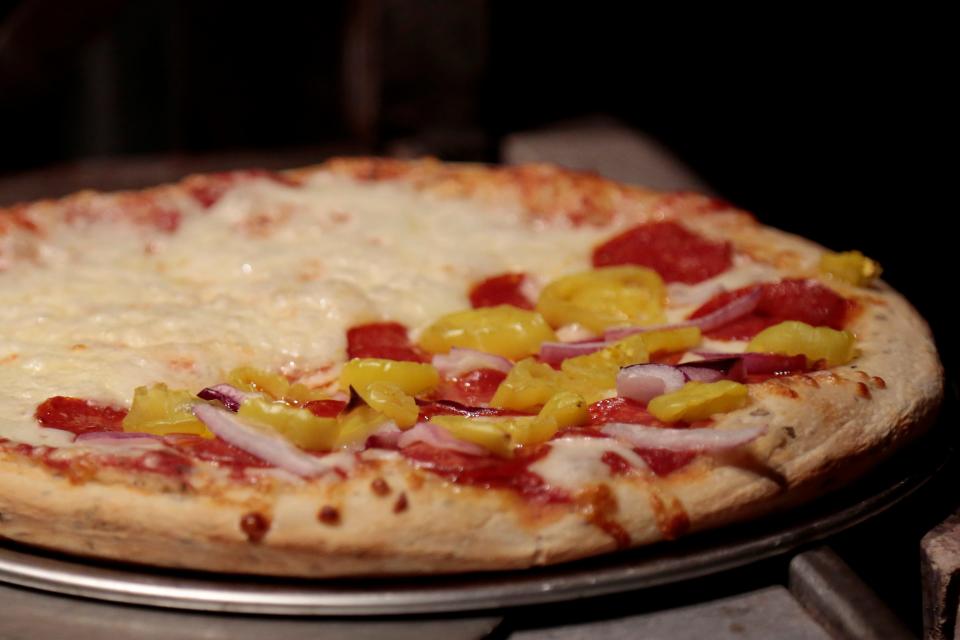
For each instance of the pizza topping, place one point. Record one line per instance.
(603, 298)
(685, 440)
(299, 426)
(459, 361)
(230, 397)
(643, 382)
(670, 249)
(666, 340)
(358, 425)
(431, 433)
(502, 330)
(489, 471)
(528, 386)
(816, 343)
(78, 416)
(160, 410)
(119, 437)
(748, 367)
(381, 340)
(803, 300)
(554, 353)
(698, 401)
(390, 400)
(411, 377)
(508, 288)
(851, 267)
(472, 388)
(260, 442)
(729, 312)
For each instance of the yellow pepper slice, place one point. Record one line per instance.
(850, 266)
(357, 426)
(493, 435)
(503, 330)
(412, 378)
(253, 379)
(528, 386)
(159, 410)
(793, 338)
(605, 297)
(390, 400)
(301, 427)
(671, 340)
(698, 401)
(564, 409)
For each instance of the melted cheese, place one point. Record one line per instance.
(270, 276)
(573, 463)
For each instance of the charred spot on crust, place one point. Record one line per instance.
(790, 431)
(329, 514)
(255, 526)
(863, 390)
(878, 382)
(380, 487)
(808, 380)
(759, 413)
(401, 504)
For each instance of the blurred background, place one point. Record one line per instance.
(826, 121)
(829, 122)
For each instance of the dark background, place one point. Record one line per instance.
(828, 122)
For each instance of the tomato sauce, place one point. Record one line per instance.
(209, 188)
(79, 416)
(471, 388)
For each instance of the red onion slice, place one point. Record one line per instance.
(460, 361)
(700, 374)
(557, 352)
(694, 440)
(229, 396)
(737, 366)
(268, 447)
(439, 438)
(643, 382)
(714, 320)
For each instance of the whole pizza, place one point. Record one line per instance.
(381, 367)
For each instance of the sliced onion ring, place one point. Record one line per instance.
(643, 382)
(693, 373)
(557, 352)
(460, 361)
(268, 447)
(386, 436)
(724, 315)
(693, 440)
(228, 395)
(439, 438)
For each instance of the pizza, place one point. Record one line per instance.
(383, 367)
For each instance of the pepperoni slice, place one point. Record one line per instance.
(473, 387)
(670, 249)
(488, 471)
(803, 300)
(381, 340)
(502, 289)
(216, 451)
(78, 415)
(620, 410)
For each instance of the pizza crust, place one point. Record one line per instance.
(824, 429)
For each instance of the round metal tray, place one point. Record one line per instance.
(698, 555)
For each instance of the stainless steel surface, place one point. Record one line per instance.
(836, 598)
(756, 615)
(647, 567)
(30, 615)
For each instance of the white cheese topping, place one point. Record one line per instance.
(270, 276)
